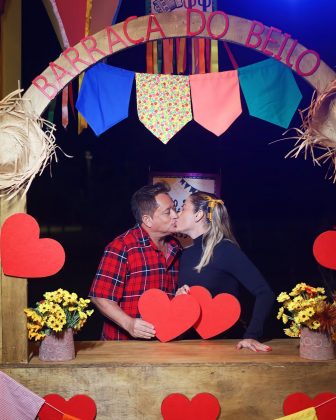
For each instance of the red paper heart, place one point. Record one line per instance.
(169, 317)
(24, 254)
(217, 314)
(324, 249)
(202, 406)
(80, 406)
(300, 401)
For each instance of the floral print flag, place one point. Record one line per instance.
(163, 103)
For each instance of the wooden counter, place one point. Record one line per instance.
(129, 380)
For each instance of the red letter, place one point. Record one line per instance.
(157, 29)
(132, 41)
(116, 41)
(282, 46)
(290, 52)
(299, 59)
(59, 76)
(269, 40)
(75, 59)
(256, 34)
(226, 28)
(189, 12)
(93, 48)
(43, 88)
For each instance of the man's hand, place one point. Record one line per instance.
(184, 290)
(254, 345)
(138, 328)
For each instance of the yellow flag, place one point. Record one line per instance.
(307, 414)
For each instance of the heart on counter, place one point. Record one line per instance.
(24, 254)
(300, 401)
(218, 314)
(324, 249)
(202, 406)
(170, 318)
(79, 406)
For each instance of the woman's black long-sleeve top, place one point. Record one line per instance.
(228, 268)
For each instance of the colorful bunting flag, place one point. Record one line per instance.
(163, 103)
(307, 414)
(215, 100)
(104, 96)
(16, 401)
(270, 91)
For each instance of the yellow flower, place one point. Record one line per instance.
(283, 297)
(89, 312)
(290, 333)
(298, 289)
(303, 316)
(284, 318)
(310, 312)
(281, 311)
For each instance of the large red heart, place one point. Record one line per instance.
(217, 314)
(300, 401)
(24, 254)
(324, 249)
(169, 317)
(79, 406)
(202, 406)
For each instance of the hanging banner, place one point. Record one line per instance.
(270, 91)
(215, 100)
(104, 96)
(163, 103)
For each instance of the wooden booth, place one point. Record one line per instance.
(129, 380)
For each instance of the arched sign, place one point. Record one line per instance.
(190, 23)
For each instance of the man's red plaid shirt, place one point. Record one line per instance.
(130, 265)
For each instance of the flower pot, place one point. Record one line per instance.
(57, 347)
(315, 345)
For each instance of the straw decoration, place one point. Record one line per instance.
(318, 130)
(27, 145)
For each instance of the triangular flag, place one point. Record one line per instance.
(215, 100)
(270, 91)
(104, 96)
(16, 401)
(163, 103)
(307, 414)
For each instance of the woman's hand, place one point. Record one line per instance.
(184, 290)
(254, 345)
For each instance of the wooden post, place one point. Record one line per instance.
(13, 299)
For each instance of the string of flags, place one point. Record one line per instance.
(166, 103)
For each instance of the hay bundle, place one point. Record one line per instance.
(27, 145)
(318, 130)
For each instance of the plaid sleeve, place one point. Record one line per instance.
(110, 278)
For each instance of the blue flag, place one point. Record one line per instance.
(104, 97)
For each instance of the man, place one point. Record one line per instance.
(143, 258)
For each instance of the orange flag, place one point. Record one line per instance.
(215, 100)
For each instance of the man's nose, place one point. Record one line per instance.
(174, 214)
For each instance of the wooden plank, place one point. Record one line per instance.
(10, 48)
(129, 380)
(13, 299)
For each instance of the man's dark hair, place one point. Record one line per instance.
(143, 201)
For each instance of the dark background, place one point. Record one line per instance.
(278, 206)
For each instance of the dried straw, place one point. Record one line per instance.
(318, 130)
(27, 145)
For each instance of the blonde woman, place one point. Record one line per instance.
(216, 262)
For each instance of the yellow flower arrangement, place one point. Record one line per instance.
(58, 311)
(307, 306)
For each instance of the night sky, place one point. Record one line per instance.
(278, 206)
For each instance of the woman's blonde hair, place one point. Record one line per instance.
(218, 221)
